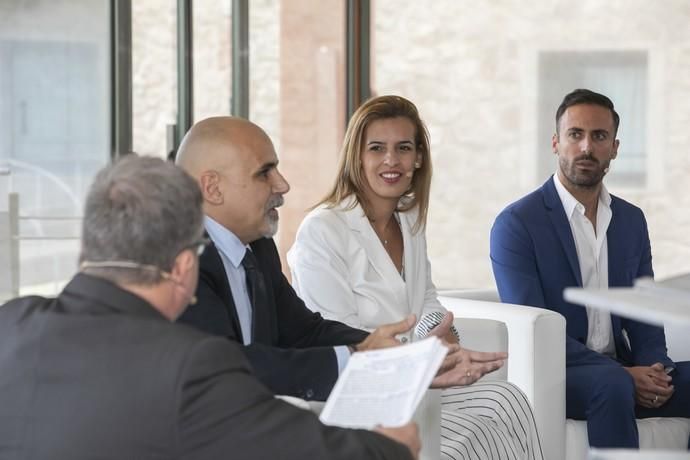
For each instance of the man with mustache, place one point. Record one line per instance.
(572, 232)
(242, 293)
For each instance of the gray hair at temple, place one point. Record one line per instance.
(141, 210)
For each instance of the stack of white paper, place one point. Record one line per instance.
(383, 387)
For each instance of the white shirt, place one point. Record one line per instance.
(232, 252)
(592, 255)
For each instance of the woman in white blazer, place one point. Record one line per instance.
(341, 268)
(360, 258)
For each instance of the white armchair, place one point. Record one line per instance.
(536, 363)
(536, 360)
(532, 336)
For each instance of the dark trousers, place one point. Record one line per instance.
(605, 397)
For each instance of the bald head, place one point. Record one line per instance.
(215, 142)
(235, 164)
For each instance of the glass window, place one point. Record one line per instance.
(212, 32)
(622, 76)
(54, 134)
(265, 65)
(154, 75)
(296, 76)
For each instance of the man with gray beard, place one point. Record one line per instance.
(242, 293)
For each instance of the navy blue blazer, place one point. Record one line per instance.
(292, 347)
(534, 259)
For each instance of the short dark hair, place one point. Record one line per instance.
(586, 96)
(143, 210)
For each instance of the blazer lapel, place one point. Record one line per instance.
(556, 214)
(375, 252)
(413, 257)
(615, 266)
(616, 250)
(211, 266)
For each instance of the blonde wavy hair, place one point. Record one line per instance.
(350, 179)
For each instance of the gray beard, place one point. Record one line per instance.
(275, 202)
(272, 228)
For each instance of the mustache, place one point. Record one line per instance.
(275, 201)
(587, 157)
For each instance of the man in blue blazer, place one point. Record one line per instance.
(572, 232)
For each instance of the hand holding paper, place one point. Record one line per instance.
(383, 387)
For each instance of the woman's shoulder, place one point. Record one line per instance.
(323, 229)
(323, 215)
(338, 214)
(324, 220)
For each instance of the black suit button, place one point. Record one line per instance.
(309, 394)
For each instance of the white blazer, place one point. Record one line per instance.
(341, 269)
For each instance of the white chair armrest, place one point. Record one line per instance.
(484, 334)
(536, 362)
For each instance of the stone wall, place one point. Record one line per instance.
(470, 67)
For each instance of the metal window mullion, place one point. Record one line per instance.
(185, 67)
(239, 100)
(358, 54)
(13, 208)
(121, 77)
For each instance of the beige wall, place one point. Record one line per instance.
(311, 105)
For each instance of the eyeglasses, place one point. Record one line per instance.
(200, 245)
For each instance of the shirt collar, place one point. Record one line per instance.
(570, 204)
(225, 241)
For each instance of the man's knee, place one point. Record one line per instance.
(614, 387)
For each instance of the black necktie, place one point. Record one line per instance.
(256, 287)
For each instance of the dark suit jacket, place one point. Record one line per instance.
(292, 347)
(98, 373)
(534, 259)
